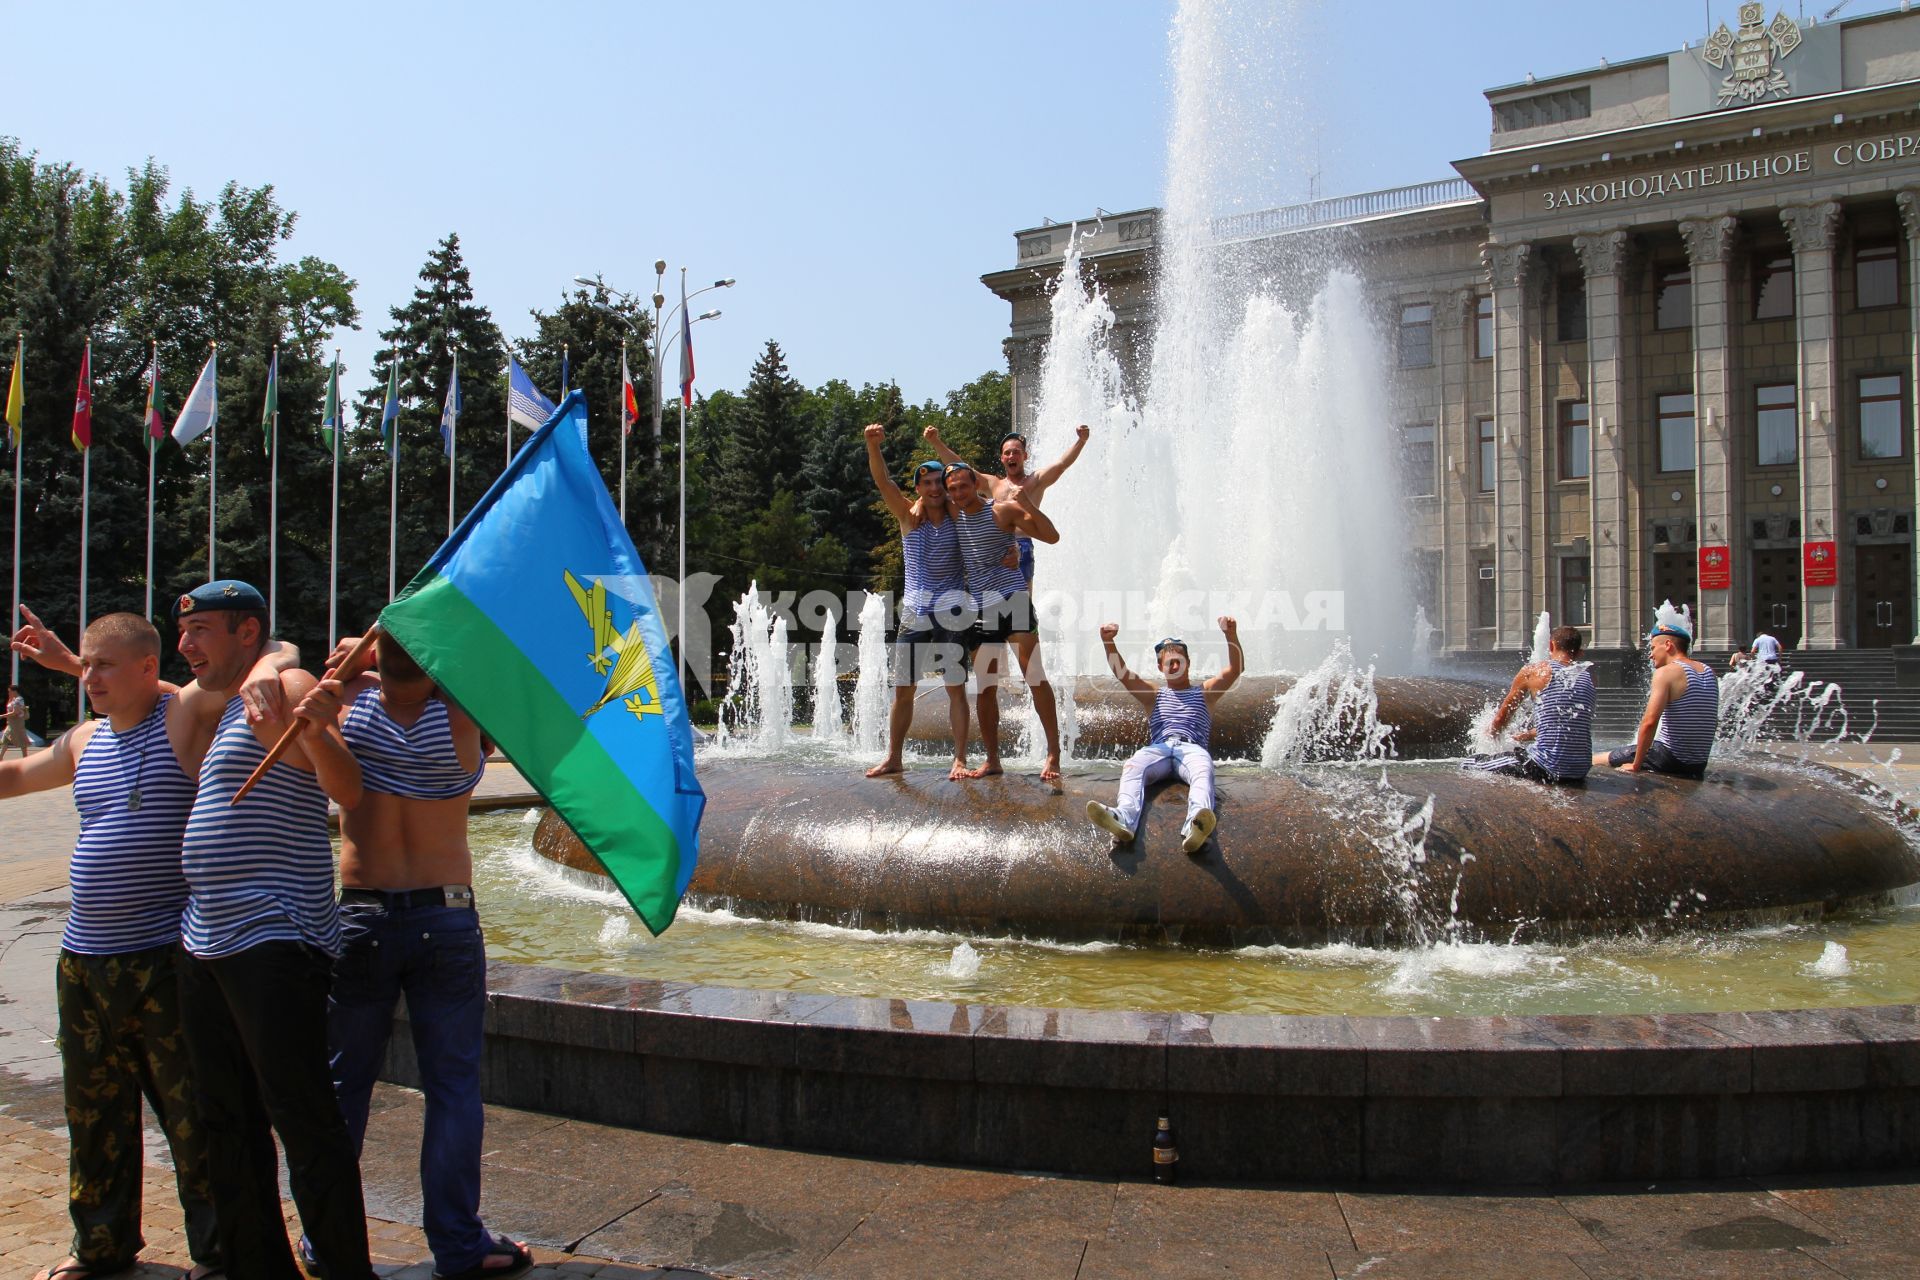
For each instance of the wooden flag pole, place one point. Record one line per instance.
(357, 660)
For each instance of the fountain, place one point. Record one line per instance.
(1226, 486)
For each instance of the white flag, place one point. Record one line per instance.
(203, 404)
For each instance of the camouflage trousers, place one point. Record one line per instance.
(120, 1039)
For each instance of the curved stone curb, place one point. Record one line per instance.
(1560, 1099)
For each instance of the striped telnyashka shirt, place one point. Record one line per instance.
(983, 545)
(1687, 725)
(128, 889)
(262, 870)
(418, 763)
(1181, 713)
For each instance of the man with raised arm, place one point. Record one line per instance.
(1559, 747)
(936, 589)
(1179, 729)
(1013, 462)
(116, 981)
(261, 929)
(409, 926)
(1003, 607)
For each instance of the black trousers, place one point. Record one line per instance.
(256, 1026)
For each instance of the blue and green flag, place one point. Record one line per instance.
(538, 618)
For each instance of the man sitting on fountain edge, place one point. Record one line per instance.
(1179, 729)
(1683, 706)
(1559, 747)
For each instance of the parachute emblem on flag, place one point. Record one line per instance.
(632, 676)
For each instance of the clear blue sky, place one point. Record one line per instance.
(856, 166)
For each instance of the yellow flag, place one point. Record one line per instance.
(16, 395)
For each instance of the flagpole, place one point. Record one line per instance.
(621, 396)
(509, 376)
(213, 474)
(273, 501)
(333, 538)
(153, 453)
(86, 494)
(453, 441)
(686, 664)
(393, 504)
(19, 441)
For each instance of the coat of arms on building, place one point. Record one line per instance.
(1752, 56)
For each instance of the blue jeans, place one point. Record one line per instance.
(436, 957)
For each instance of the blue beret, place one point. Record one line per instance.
(225, 596)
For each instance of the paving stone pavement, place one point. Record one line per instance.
(600, 1201)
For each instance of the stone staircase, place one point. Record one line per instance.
(1865, 677)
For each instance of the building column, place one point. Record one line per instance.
(1458, 447)
(1718, 510)
(1023, 366)
(1609, 260)
(1814, 229)
(1909, 202)
(1507, 271)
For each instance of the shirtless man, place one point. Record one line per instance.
(116, 981)
(936, 592)
(1003, 607)
(409, 926)
(1013, 461)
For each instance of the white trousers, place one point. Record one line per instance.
(1150, 764)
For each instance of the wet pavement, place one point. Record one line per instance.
(600, 1201)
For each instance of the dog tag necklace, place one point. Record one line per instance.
(139, 749)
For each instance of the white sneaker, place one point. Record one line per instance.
(1107, 820)
(1197, 831)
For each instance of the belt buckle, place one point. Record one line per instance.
(456, 895)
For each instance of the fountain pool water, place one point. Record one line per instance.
(539, 912)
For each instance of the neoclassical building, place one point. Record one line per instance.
(1659, 341)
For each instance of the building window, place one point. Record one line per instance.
(1483, 327)
(1416, 460)
(1773, 286)
(1574, 594)
(1416, 336)
(1576, 452)
(1571, 308)
(1882, 416)
(1486, 594)
(1489, 458)
(1673, 297)
(1776, 421)
(1674, 419)
(1876, 275)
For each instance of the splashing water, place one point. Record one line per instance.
(1542, 637)
(870, 689)
(757, 714)
(1423, 633)
(1228, 481)
(1833, 962)
(963, 963)
(1331, 712)
(827, 730)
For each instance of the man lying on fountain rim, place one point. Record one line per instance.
(1559, 747)
(1683, 706)
(1179, 732)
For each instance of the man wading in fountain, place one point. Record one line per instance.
(936, 589)
(1013, 461)
(408, 926)
(1683, 706)
(1004, 608)
(1559, 747)
(1179, 729)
